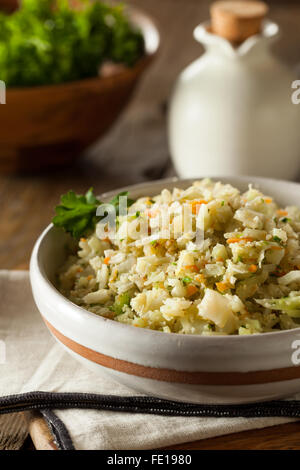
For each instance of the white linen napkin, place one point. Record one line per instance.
(35, 362)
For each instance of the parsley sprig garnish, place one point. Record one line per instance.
(76, 214)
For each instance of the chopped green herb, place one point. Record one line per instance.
(186, 280)
(137, 214)
(240, 259)
(48, 41)
(276, 239)
(222, 203)
(174, 264)
(285, 220)
(120, 301)
(154, 242)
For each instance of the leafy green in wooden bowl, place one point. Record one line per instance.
(47, 41)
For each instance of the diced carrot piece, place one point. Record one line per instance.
(191, 290)
(83, 239)
(106, 260)
(192, 267)
(152, 214)
(220, 260)
(282, 212)
(268, 200)
(253, 268)
(89, 277)
(222, 286)
(233, 240)
(195, 205)
(237, 240)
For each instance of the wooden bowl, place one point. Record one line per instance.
(49, 126)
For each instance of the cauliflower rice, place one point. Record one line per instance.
(242, 276)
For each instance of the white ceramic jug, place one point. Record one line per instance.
(231, 111)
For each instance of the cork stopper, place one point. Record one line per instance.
(237, 20)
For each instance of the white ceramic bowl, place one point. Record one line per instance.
(199, 369)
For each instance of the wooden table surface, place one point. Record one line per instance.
(136, 150)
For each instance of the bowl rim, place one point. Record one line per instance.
(138, 18)
(35, 265)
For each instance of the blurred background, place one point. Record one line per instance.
(135, 149)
